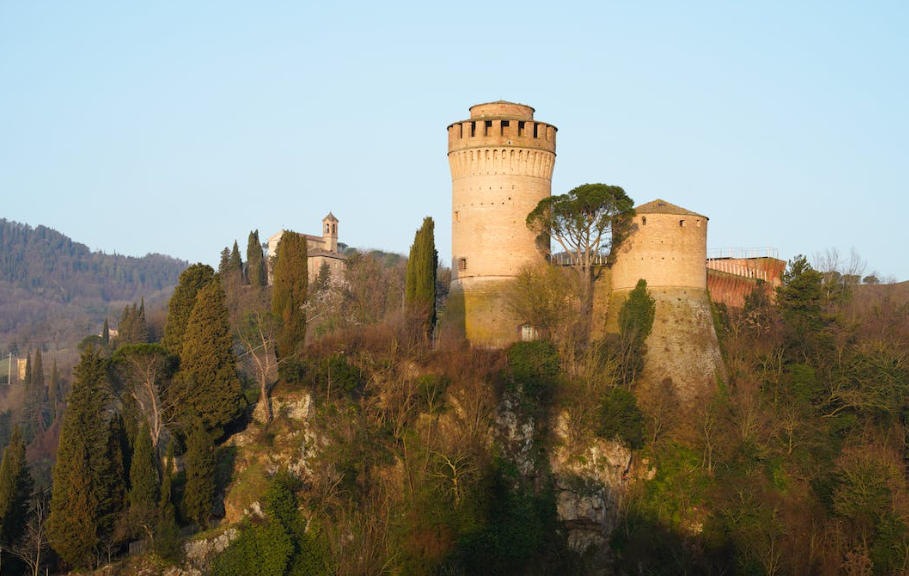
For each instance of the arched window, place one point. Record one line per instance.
(644, 220)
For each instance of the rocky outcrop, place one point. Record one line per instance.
(590, 485)
(201, 551)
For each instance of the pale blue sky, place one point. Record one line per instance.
(177, 127)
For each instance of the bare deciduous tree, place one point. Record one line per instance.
(33, 543)
(143, 372)
(257, 335)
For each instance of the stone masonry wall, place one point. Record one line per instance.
(667, 250)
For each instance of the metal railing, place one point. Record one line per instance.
(742, 253)
(565, 259)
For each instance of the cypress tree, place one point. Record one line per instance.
(15, 491)
(181, 304)
(420, 279)
(291, 283)
(224, 263)
(255, 261)
(143, 472)
(114, 477)
(235, 265)
(166, 503)
(87, 480)
(133, 326)
(53, 391)
(28, 368)
(105, 333)
(636, 315)
(208, 383)
(200, 476)
(34, 408)
(141, 324)
(126, 328)
(38, 370)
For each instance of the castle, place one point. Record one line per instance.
(320, 250)
(501, 162)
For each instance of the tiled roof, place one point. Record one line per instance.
(662, 207)
(325, 254)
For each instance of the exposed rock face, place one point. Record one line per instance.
(590, 482)
(297, 408)
(200, 553)
(516, 433)
(589, 491)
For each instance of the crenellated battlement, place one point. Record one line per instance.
(496, 132)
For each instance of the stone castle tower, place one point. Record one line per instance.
(667, 247)
(501, 163)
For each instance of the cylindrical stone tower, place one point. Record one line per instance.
(666, 246)
(501, 163)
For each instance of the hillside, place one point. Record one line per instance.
(54, 291)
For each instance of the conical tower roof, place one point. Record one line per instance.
(662, 207)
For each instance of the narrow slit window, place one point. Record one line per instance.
(462, 263)
(644, 220)
(473, 129)
(682, 223)
(457, 215)
(486, 126)
(505, 124)
(520, 128)
(535, 130)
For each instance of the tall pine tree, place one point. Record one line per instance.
(34, 408)
(88, 476)
(141, 323)
(200, 476)
(235, 265)
(224, 263)
(420, 279)
(181, 304)
(291, 283)
(208, 385)
(166, 503)
(255, 261)
(143, 471)
(133, 327)
(15, 491)
(54, 392)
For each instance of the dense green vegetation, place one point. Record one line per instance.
(409, 457)
(420, 280)
(291, 287)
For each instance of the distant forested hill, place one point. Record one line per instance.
(53, 291)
